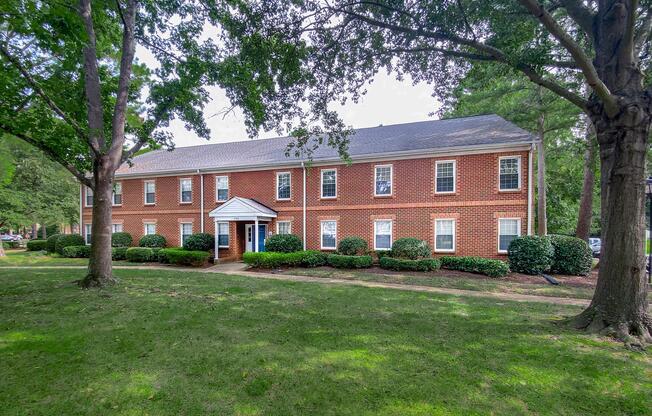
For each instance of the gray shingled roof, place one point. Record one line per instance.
(418, 137)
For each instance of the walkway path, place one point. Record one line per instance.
(240, 269)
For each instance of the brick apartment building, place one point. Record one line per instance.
(464, 185)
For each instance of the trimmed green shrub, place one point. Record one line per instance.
(199, 242)
(421, 265)
(410, 248)
(183, 257)
(273, 260)
(283, 243)
(139, 254)
(121, 239)
(79, 252)
(67, 240)
(119, 253)
(152, 240)
(52, 242)
(382, 253)
(37, 245)
(572, 255)
(352, 246)
(349, 262)
(11, 244)
(480, 265)
(530, 254)
(314, 258)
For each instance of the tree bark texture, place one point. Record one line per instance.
(542, 216)
(585, 214)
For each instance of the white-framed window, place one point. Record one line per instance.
(222, 188)
(150, 192)
(382, 234)
(329, 235)
(87, 233)
(329, 183)
(88, 196)
(445, 235)
(116, 228)
(283, 185)
(149, 228)
(185, 231)
(508, 230)
(185, 194)
(283, 227)
(222, 234)
(509, 176)
(445, 171)
(383, 180)
(117, 193)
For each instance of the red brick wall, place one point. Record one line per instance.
(413, 206)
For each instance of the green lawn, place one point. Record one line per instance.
(170, 343)
(38, 258)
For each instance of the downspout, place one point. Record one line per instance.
(303, 166)
(81, 208)
(529, 190)
(201, 201)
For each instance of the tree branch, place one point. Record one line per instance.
(37, 88)
(92, 81)
(49, 153)
(628, 46)
(583, 61)
(581, 14)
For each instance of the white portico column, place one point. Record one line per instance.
(217, 244)
(256, 235)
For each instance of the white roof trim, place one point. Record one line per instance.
(242, 209)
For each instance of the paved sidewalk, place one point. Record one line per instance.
(240, 269)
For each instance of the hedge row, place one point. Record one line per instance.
(341, 261)
(480, 265)
(182, 257)
(421, 265)
(67, 240)
(77, 252)
(37, 245)
(283, 243)
(556, 253)
(272, 260)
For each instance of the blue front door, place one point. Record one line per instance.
(262, 232)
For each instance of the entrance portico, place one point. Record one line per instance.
(257, 215)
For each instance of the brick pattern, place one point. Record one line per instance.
(413, 206)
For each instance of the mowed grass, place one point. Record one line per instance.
(15, 258)
(170, 343)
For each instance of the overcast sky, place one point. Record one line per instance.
(387, 101)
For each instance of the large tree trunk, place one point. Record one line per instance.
(620, 306)
(99, 264)
(585, 215)
(542, 216)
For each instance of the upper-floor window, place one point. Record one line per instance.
(87, 233)
(329, 183)
(510, 173)
(329, 235)
(382, 234)
(445, 235)
(185, 231)
(222, 188)
(88, 201)
(150, 228)
(508, 230)
(383, 183)
(186, 190)
(283, 227)
(445, 176)
(283, 185)
(150, 192)
(117, 193)
(223, 234)
(116, 228)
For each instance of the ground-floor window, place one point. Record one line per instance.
(382, 234)
(445, 235)
(116, 228)
(329, 235)
(283, 227)
(508, 230)
(87, 233)
(186, 231)
(223, 234)
(150, 228)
